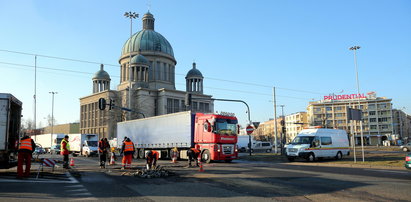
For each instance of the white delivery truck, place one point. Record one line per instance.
(314, 143)
(257, 146)
(10, 117)
(84, 144)
(242, 142)
(48, 140)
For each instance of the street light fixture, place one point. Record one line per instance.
(131, 15)
(52, 117)
(355, 48)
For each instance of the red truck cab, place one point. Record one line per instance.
(216, 136)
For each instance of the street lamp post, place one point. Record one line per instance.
(131, 15)
(355, 48)
(52, 116)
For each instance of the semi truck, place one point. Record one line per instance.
(215, 135)
(10, 121)
(84, 144)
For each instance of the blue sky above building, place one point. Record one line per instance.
(242, 48)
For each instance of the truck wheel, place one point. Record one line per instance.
(311, 157)
(268, 150)
(135, 155)
(228, 160)
(141, 153)
(291, 159)
(338, 156)
(205, 156)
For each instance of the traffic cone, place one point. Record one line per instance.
(112, 161)
(201, 164)
(71, 162)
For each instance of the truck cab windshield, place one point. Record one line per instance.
(92, 143)
(302, 140)
(226, 127)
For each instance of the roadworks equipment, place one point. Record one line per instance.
(112, 161)
(71, 162)
(153, 173)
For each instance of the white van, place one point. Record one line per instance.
(311, 144)
(262, 146)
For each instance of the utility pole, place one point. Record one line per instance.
(34, 96)
(275, 121)
(131, 15)
(52, 117)
(282, 129)
(355, 48)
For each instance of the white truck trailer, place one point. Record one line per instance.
(10, 118)
(84, 144)
(48, 140)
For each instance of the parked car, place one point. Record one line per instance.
(55, 149)
(408, 161)
(39, 150)
(406, 147)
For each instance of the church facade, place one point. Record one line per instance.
(147, 85)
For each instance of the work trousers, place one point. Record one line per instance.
(65, 160)
(151, 163)
(103, 158)
(23, 158)
(126, 162)
(192, 157)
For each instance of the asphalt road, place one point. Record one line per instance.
(237, 181)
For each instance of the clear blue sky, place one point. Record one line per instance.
(243, 49)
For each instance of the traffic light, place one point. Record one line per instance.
(102, 104)
(111, 104)
(188, 99)
(283, 129)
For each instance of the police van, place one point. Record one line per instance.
(314, 143)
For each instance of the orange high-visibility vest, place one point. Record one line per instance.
(128, 146)
(195, 150)
(155, 154)
(26, 144)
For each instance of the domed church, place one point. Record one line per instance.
(147, 85)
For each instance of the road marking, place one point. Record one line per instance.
(71, 180)
(77, 190)
(389, 171)
(85, 199)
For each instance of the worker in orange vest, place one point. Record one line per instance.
(193, 154)
(151, 159)
(128, 150)
(26, 149)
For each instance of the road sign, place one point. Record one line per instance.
(249, 130)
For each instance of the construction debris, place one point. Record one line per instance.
(153, 173)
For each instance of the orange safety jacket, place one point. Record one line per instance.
(154, 155)
(128, 146)
(196, 151)
(26, 144)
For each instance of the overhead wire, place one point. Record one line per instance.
(92, 62)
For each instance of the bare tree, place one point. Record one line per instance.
(27, 124)
(50, 120)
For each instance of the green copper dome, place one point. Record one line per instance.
(148, 39)
(194, 72)
(139, 59)
(101, 74)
